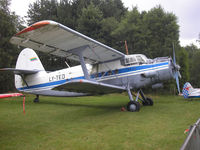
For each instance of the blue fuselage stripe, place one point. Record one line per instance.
(49, 83)
(120, 71)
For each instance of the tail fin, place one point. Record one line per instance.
(187, 89)
(27, 60)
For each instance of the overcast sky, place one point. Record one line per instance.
(187, 11)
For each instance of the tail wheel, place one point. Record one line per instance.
(133, 106)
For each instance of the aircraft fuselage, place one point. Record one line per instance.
(114, 73)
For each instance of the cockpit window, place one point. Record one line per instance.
(134, 59)
(127, 60)
(139, 59)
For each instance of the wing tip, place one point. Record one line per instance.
(36, 25)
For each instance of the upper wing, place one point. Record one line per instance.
(57, 39)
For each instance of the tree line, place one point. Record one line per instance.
(110, 22)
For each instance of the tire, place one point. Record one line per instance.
(36, 100)
(145, 103)
(150, 101)
(133, 106)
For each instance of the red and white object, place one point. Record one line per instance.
(10, 95)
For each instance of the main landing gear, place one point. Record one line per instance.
(36, 100)
(134, 105)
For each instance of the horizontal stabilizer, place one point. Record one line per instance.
(87, 86)
(19, 71)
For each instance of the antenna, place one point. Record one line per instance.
(126, 47)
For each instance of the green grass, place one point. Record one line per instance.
(95, 123)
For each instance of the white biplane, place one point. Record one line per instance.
(103, 69)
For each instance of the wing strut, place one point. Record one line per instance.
(79, 52)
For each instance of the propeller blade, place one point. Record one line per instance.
(179, 74)
(177, 82)
(174, 57)
(176, 70)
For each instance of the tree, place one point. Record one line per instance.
(162, 31)
(129, 30)
(112, 8)
(150, 33)
(9, 24)
(89, 22)
(194, 57)
(183, 61)
(42, 10)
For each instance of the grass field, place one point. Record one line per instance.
(95, 123)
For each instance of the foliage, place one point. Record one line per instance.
(183, 61)
(151, 33)
(89, 22)
(194, 63)
(9, 24)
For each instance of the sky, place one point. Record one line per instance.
(187, 12)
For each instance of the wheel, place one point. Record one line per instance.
(150, 101)
(145, 103)
(36, 100)
(133, 106)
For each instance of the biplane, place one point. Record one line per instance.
(190, 92)
(102, 69)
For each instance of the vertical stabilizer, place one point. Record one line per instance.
(27, 60)
(187, 89)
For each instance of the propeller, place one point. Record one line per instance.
(176, 69)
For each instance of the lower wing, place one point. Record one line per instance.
(91, 87)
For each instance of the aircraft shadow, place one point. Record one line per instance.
(100, 106)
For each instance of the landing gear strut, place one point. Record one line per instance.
(36, 100)
(146, 101)
(134, 105)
